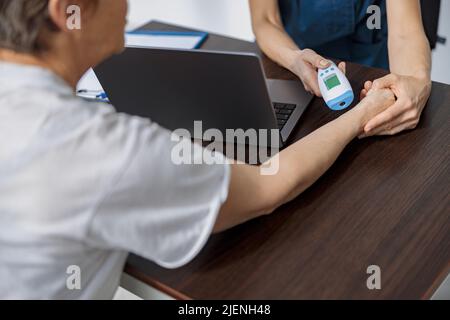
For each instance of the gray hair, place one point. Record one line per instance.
(21, 22)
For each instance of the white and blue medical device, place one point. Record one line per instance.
(335, 88)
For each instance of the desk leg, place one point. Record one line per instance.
(140, 289)
(443, 292)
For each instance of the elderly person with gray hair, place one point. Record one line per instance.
(82, 185)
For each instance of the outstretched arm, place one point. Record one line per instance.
(252, 194)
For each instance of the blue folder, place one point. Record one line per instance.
(201, 35)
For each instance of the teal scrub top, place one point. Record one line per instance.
(338, 29)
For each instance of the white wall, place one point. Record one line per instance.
(228, 17)
(232, 18)
(441, 56)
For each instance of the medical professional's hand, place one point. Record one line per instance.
(375, 102)
(412, 94)
(305, 67)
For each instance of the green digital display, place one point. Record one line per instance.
(332, 81)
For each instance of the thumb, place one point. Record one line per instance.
(385, 82)
(314, 59)
(343, 67)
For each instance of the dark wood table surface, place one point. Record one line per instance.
(385, 202)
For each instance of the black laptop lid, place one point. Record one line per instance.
(175, 88)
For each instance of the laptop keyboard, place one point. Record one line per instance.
(283, 112)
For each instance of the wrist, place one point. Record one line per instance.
(357, 118)
(420, 74)
(351, 123)
(293, 57)
(423, 76)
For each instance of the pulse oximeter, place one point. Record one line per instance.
(335, 88)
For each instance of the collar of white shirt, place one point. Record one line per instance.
(19, 76)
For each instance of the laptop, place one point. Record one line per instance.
(223, 90)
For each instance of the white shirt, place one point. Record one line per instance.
(81, 185)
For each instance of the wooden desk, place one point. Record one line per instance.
(384, 202)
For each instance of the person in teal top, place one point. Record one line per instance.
(389, 34)
(338, 29)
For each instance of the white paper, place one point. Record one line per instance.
(90, 83)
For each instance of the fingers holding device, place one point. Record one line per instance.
(335, 88)
(305, 66)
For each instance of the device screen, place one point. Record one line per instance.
(332, 81)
